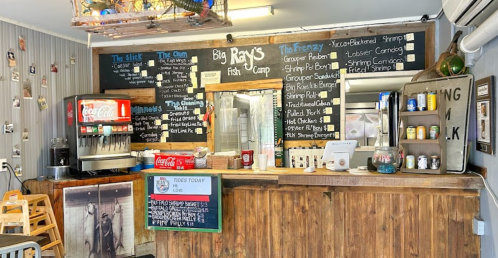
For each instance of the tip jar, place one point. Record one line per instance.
(386, 159)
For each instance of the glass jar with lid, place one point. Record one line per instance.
(59, 152)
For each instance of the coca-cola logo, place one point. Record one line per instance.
(167, 162)
(104, 111)
(70, 114)
(189, 161)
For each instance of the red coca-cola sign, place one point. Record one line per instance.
(173, 161)
(70, 114)
(100, 110)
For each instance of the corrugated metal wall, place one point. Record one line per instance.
(42, 50)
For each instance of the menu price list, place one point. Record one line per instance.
(179, 214)
(311, 72)
(181, 202)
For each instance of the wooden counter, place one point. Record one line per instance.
(324, 177)
(54, 189)
(289, 213)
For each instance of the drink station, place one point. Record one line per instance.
(98, 129)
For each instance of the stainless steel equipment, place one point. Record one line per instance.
(98, 129)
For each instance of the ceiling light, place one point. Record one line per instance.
(243, 96)
(252, 12)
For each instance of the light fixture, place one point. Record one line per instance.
(252, 12)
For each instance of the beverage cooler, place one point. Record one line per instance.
(98, 130)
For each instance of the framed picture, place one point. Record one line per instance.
(485, 124)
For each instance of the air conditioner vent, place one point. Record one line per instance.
(469, 12)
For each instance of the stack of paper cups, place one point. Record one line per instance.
(263, 161)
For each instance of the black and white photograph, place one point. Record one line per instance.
(16, 151)
(8, 128)
(32, 70)
(15, 76)
(102, 218)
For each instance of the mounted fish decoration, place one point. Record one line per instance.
(200, 7)
(94, 6)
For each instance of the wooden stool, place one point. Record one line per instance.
(35, 215)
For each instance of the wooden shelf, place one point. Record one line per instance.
(426, 147)
(421, 171)
(418, 113)
(428, 141)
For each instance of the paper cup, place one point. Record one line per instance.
(263, 161)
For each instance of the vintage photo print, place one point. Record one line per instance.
(25, 135)
(18, 170)
(73, 60)
(32, 70)
(16, 103)
(11, 58)
(26, 92)
(53, 68)
(483, 125)
(15, 76)
(8, 128)
(16, 152)
(42, 103)
(44, 82)
(22, 43)
(102, 218)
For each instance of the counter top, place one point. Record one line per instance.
(68, 181)
(324, 177)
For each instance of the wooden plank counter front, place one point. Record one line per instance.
(54, 189)
(288, 213)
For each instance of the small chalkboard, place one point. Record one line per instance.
(183, 202)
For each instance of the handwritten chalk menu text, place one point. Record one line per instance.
(183, 202)
(176, 115)
(143, 119)
(310, 86)
(311, 71)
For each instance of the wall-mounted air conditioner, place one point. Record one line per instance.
(469, 12)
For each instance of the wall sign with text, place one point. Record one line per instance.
(183, 202)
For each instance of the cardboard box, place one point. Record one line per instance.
(231, 160)
(173, 161)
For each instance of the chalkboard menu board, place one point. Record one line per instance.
(183, 202)
(311, 72)
(176, 116)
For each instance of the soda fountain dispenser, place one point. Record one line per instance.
(98, 129)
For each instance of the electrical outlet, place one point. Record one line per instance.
(2, 161)
(478, 226)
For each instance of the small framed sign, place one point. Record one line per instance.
(183, 202)
(485, 115)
